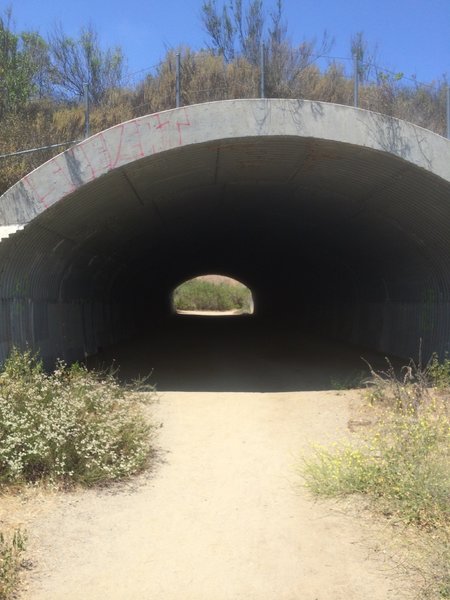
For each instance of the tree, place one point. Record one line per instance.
(238, 31)
(287, 65)
(366, 57)
(220, 29)
(250, 26)
(19, 65)
(37, 51)
(75, 62)
(234, 30)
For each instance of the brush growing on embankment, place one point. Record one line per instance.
(198, 295)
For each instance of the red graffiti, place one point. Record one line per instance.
(111, 162)
(159, 125)
(35, 192)
(169, 126)
(93, 173)
(171, 134)
(136, 150)
(60, 171)
(181, 124)
(138, 130)
(114, 163)
(105, 150)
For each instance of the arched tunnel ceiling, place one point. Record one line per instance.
(344, 210)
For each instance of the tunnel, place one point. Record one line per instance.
(336, 218)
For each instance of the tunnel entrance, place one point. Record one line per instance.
(335, 218)
(212, 295)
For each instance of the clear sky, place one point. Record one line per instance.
(412, 36)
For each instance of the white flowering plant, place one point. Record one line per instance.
(68, 426)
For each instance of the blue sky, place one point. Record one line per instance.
(412, 36)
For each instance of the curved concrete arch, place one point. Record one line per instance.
(345, 210)
(153, 134)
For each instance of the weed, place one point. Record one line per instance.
(403, 392)
(11, 549)
(403, 465)
(402, 462)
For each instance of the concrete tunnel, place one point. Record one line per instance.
(337, 219)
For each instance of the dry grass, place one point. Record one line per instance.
(11, 549)
(401, 463)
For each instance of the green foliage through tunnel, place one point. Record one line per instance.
(213, 293)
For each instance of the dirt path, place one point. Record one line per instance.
(219, 518)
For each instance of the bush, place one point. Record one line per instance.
(70, 426)
(404, 460)
(439, 372)
(198, 294)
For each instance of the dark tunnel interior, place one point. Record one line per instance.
(344, 248)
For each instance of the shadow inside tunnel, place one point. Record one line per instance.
(237, 354)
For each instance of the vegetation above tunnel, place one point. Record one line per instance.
(43, 80)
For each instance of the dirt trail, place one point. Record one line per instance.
(220, 518)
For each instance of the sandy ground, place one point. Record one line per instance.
(221, 516)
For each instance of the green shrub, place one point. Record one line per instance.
(69, 426)
(10, 552)
(439, 372)
(198, 294)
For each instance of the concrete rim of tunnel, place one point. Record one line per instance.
(152, 134)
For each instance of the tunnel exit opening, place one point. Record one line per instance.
(212, 295)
